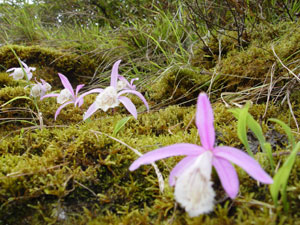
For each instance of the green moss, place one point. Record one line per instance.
(58, 171)
(178, 85)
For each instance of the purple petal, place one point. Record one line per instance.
(80, 98)
(49, 95)
(247, 163)
(132, 80)
(128, 105)
(137, 94)
(165, 152)
(124, 79)
(29, 75)
(24, 65)
(66, 83)
(114, 74)
(205, 122)
(78, 88)
(60, 108)
(80, 102)
(227, 176)
(92, 109)
(11, 69)
(43, 81)
(179, 168)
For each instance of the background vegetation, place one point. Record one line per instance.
(234, 50)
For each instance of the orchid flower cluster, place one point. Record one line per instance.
(110, 97)
(191, 176)
(38, 89)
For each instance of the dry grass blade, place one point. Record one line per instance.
(290, 71)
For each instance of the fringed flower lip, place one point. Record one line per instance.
(110, 97)
(66, 96)
(191, 175)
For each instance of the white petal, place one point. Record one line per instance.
(193, 188)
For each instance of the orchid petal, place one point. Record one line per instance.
(205, 122)
(78, 88)
(66, 83)
(29, 75)
(60, 108)
(80, 102)
(165, 152)
(128, 105)
(123, 79)
(137, 94)
(96, 90)
(132, 80)
(247, 163)
(11, 69)
(92, 109)
(227, 175)
(179, 168)
(43, 81)
(49, 95)
(114, 74)
(24, 65)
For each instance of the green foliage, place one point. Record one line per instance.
(120, 124)
(246, 120)
(281, 178)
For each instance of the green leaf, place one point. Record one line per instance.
(268, 150)
(120, 124)
(256, 129)
(16, 98)
(281, 177)
(242, 128)
(286, 129)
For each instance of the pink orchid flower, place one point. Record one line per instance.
(110, 97)
(191, 176)
(18, 72)
(40, 88)
(66, 96)
(123, 83)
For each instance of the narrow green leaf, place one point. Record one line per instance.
(242, 128)
(256, 129)
(120, 124)
(286, 129)
(268, 150)
(281, 177)
(16, 98)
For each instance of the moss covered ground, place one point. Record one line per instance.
(73, 172)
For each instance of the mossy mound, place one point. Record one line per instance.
(251, 67)
(78, 174)
(178, 85)
(49, 62)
